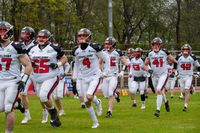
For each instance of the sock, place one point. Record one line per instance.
(134, 101)
(95, 100)
(8, 131)
(142, 97)
(164, 97)
(92, 114)
(27, 112)
(159, 101)
(110, 110)
(186, 105)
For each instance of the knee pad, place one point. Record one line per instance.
(8, 108)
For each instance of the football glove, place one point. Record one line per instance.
(21, 86)
(172, 75)
(150, 71)
(53, 65)
(121, 74)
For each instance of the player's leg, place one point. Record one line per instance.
(11, 94)
(132, 90)
(188, 83)
(25, 103)
(59, 95)
(92, 86)
(80, 93)
(112, 86)
(47, 88)
(173, 82)
(142, 94)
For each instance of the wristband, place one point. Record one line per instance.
(25, 77)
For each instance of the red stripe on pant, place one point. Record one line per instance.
(53, 87)
(164, 83)
(15, 101)
(97, 86)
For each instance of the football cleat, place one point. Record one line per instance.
(95, 125)
(27, 117)
(157, 113)
(167, 106)
(143, 107)
(185, 108)
(61, 112)
(83, 106)
(134, 105)
(20, 107)
(109, 114)
(44, 116)
(99, 108)
(117, 97)
(55, 122)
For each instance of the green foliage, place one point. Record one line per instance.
(135, 22)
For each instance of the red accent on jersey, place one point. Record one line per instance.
(136, 67)
(112, 61)
(86, 62)
(8, 62)
(158, 63)
(186, 66)
(40, 67)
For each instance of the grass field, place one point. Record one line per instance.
(126, 119)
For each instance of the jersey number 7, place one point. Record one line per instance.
(8, 62)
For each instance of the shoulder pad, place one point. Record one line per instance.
(96, 46)
(166, 51)
(194, 57)
(19, 47)
(58, 49)
(119, 52)
(74, 49)
(178, 56)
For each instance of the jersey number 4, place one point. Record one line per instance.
(7, 61)
(158, 62)
(40, 67)
(86, 62)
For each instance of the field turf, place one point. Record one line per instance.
(125, 119)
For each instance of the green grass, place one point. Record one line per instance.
(125, 118)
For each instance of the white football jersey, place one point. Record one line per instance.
(111, 66)
(86, 61)
(9, 62)
(185, 65)
(136, 67)
(158, 61)
(42, 58)
(28, 47)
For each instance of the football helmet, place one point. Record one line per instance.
(27, 34)
(156, 44)
(6, 31)
(84, 36)
(186, 49)
(110, 43)
(138, 52)
(130, 52)
(44, 37)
